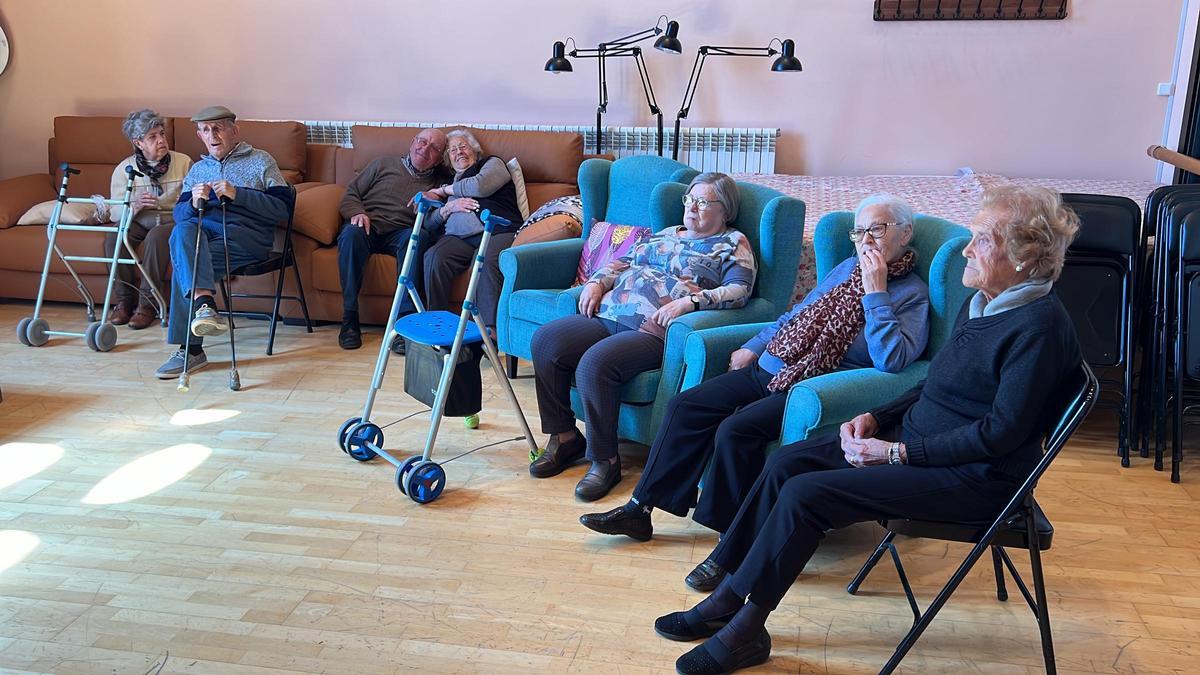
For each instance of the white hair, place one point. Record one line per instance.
(469, 138)
(898, 210)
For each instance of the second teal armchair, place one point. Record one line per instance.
(819, 405)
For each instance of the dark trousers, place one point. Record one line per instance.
(355, 247)
(449, 256)
(730, 418)
(600, 356)
(807, 489)
(155, 244)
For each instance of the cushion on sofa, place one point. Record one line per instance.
(72, 214)
(18, 194)
(518, 179)
(546, 157)
(317, 214)
(551, 228)
(94, 140)
(371, 143)
(540, 193)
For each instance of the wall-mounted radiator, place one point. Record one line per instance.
(730, 150)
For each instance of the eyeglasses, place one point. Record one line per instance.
(700, 203)
(876, 230)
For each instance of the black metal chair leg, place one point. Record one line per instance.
(859, 578)
(275, 313)
(1039, 590)
(1001, 591)
(300, 294)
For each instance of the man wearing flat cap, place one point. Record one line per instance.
(256, 199)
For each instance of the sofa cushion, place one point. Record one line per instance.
(546, 157)
(371, 143)
(94, 140)
(287, 142)
(540, 193)
(607, 242)
(379, 278)
(25, 251)
(518, 179)
(551, 228)
(317, 212)
(18, 194)
(74, 213)
(534, 304)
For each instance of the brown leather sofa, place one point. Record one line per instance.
(549, 160)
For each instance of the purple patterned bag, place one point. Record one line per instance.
(607, 242)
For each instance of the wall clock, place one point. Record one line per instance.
(3, 51)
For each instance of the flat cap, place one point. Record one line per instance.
(213, 113)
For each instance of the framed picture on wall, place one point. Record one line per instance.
(3, 50)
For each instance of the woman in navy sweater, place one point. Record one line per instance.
(959, 442)
(869, 311)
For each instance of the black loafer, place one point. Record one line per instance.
(631, 522)
(711, 657)
(350, 336)
(558, 456)
(706, 576)
(596, 483)
(680, 627)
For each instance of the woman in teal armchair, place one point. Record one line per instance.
(624, 311)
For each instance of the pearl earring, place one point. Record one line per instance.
(1020, 267)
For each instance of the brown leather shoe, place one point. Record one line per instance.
(143, 317)
(120, 314)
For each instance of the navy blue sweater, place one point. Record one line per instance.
(989, 396)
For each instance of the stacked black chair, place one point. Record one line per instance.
(1186, 334)
(282, 257)
(1020, 524)
(1098, 285)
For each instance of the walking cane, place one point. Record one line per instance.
(235, 382)
(184, 382)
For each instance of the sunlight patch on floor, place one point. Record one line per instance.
(148, 474)
(19, 461)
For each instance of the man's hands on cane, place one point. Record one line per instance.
(200, 194)
(225, 190)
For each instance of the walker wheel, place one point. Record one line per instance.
(35, 332)
(22, 326)
(344, 430)
(360, 439)
(425, 482)
(100, 337)
(404, 469)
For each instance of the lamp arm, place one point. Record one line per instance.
(647, 87)
(636, 37)
(689, 93)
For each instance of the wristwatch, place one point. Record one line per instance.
(894, 453)
(695, 297)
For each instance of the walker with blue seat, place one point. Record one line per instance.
(420, 477)
(100, 335)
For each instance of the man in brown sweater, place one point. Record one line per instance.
(378, 220)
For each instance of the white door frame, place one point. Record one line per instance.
(1181, 77)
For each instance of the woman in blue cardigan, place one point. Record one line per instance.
(961, 442)
(869, 311)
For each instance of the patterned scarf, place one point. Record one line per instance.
(153, 171)
(816, 340)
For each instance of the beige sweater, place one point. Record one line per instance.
(171, 182)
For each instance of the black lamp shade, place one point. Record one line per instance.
(786, 63)
(559, 63)
(669, 42)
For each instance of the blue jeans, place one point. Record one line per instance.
(355, 247)
(243, 250)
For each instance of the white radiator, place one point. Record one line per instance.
(730, 150)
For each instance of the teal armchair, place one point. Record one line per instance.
(535, 274)
(819, 405)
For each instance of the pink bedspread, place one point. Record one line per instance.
(953, 198)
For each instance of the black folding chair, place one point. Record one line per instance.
(1186, 338)
(282, 257)
(1021, 524)
(1099, 281)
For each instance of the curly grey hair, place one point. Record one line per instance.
(139, 123)
(466, 136)
(726, 189)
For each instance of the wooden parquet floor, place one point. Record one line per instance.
(149, 531)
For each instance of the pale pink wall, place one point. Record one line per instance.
(1025, 98)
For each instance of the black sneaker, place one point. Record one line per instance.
(350, 336)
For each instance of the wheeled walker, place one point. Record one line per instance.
(100, 335)
(420, 477)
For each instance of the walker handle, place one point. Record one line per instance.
(425, 204)
(491, 221)
(67, 170)
(131, 172)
